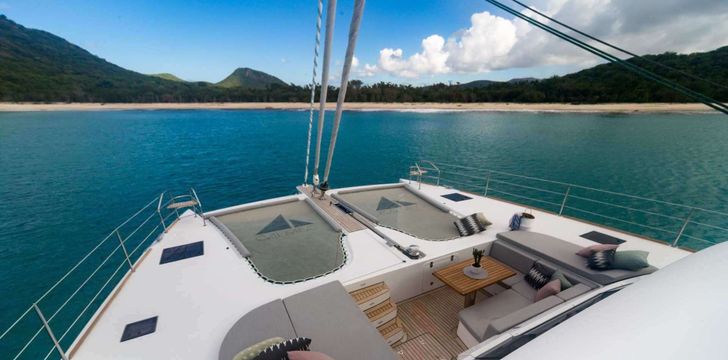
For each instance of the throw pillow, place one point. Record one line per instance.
(589, 250)
(483, 220)
(280, 351)
(252, 351)
(565, 283)
(308, 355)
(601, 260)
(469, 225)
(551, 288)
(538, 276)
(630, 260)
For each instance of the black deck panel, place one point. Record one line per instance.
(456, 197)
(139, 328)
(602, 238)
(182, 252)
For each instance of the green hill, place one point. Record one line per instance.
(250, 79)
(168, 76)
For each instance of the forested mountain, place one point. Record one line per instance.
(249, 78)
(36, 66)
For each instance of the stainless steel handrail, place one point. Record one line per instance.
(487, 183)
(87, 280)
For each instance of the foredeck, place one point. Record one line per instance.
(198, 299)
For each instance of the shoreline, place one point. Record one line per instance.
(415, 107)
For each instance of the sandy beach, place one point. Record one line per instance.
(623, 108)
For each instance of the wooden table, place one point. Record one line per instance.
(454, 277)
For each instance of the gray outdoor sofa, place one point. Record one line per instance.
(514, 305)
(326, 314)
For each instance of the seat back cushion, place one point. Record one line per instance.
(512, 256)
(563, 254)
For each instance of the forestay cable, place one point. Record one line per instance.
(353, 35)
(313, 88)
(330, 21)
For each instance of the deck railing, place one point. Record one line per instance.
(50, 326)
(678, 225)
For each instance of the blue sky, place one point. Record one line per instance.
(206, 40)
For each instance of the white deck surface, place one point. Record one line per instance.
(197, 300)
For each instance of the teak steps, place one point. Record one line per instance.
(377, 305)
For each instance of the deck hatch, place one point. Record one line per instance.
(602, 238)
(182, 252)
(139, 328)
(456, 197)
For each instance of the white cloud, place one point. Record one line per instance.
(493, 42)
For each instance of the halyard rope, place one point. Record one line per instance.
(313, 88)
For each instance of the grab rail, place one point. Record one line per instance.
(676, 224)
(102, 266)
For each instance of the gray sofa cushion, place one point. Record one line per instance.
(563, 254)
(264, 322)
(337, 327)
(503, 323)
(524, 289)
(573, 292)
(476, 318)
(513, 257)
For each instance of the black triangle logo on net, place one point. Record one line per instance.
(281, 223)
(386, 204)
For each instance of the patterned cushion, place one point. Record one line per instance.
(538, 276)
(280, 351)
(551, 288)
(589, 250)
(601, 260)
(469, 225)
(630, 260)
(252, 351)
(565, 283)
(308, 355)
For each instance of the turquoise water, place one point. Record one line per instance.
(68, 178)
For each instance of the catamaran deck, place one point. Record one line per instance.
(196, 300)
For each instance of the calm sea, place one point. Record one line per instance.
(68, 178)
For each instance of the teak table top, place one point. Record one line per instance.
(454, 277)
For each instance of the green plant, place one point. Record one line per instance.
(477, 256)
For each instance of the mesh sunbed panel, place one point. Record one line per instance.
(400, 209)
(287, 242)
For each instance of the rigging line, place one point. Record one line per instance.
(353, 35)
(645, 73)
(330, 21)
(618, 48)
(313, 88)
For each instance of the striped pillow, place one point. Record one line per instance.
(601, 260)
(469, 225)
(538, 276)
(280, 351)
